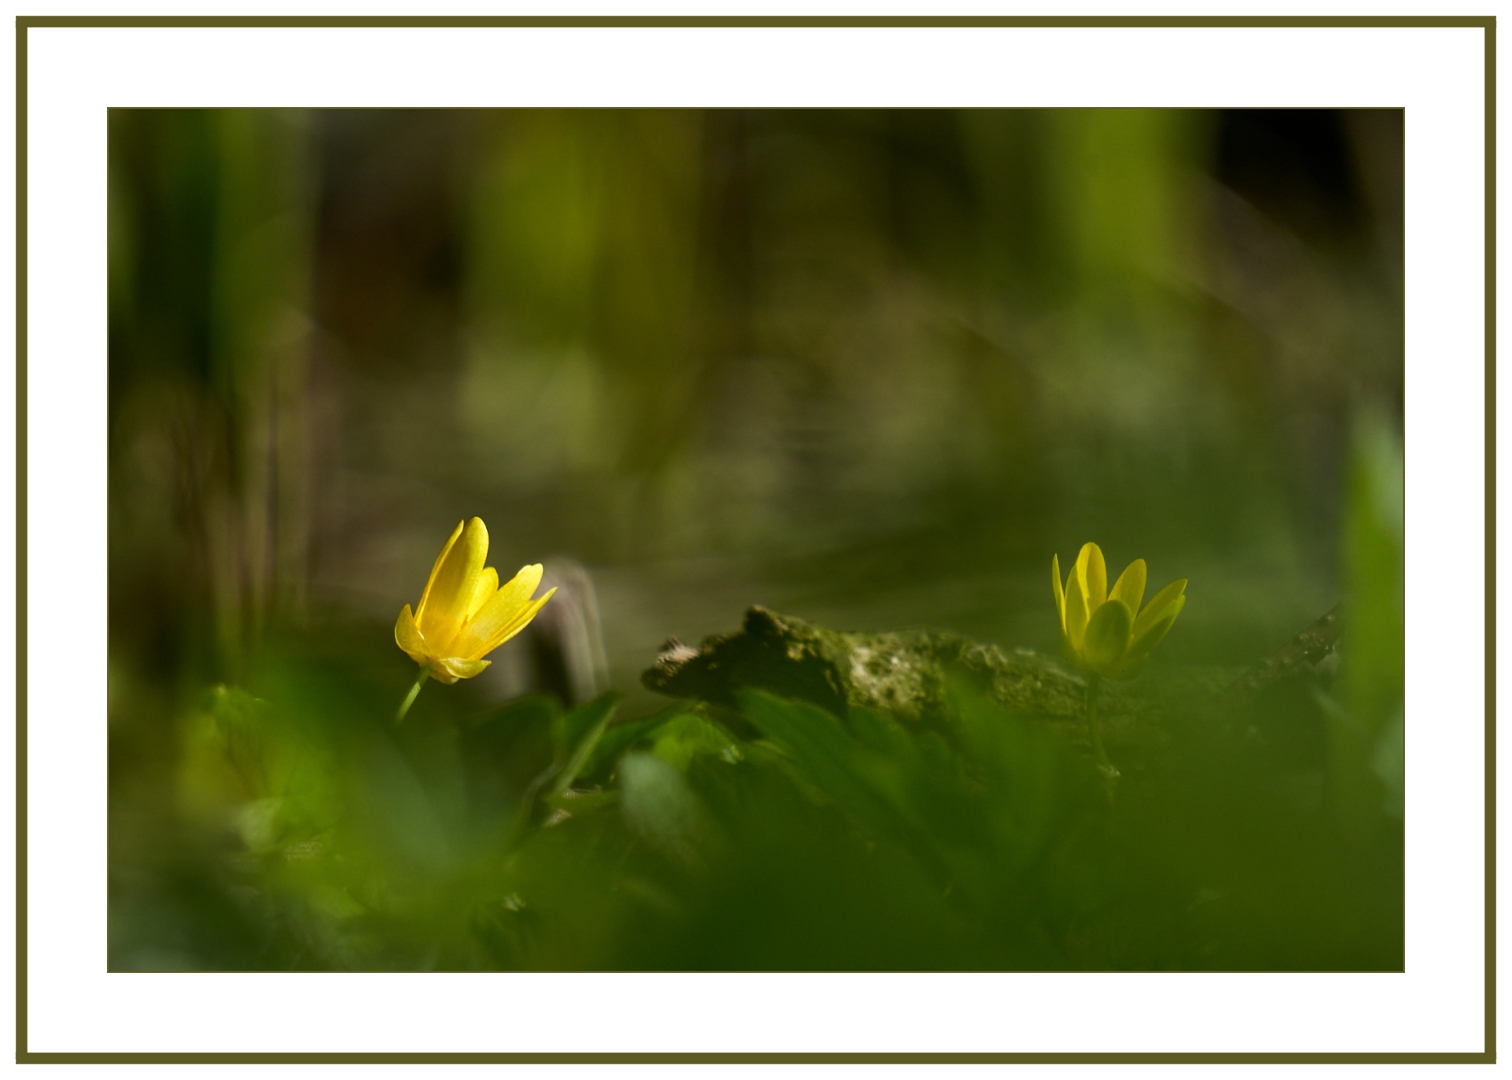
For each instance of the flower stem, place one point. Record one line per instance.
(409, 699)
(1104, 766)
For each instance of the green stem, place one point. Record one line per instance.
(409, 699)
(1094, 685)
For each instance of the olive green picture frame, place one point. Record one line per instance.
(26, 23)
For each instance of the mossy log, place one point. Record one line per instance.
(908, 675)
(904, 673)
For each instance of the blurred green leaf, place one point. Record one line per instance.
(688, 735)
(865, 783)
(579, 732)
(503, 750)
(662, 809)
(581, 802)
(1374, 646)
(618, 738)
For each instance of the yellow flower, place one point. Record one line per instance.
(1100, 631)
(464, 613)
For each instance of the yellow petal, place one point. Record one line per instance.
(1107, 637)
(1093, 572)
(497, 613)
(524, 583)
(436, 569)
(407, 636)
(1076, 610)
(1155, 609)
(1131, 585)
(483, 591)
(1150, 637)
(515, 625)
(452, 590)
(1060, 593)
(449, 669)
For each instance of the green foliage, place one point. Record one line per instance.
(771, 835)
(1366, 718)
(576, 734)
(1373, 541)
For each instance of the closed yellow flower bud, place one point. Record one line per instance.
(1105, 632)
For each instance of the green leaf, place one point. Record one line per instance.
(504, 750)
(531, 709)
(662, 809)
(581, 802)
(1035, 789)
(684, 737)
(861, 781)
(581, 730)
(621, 737)
(879, 731)
(1375, 622)
(248, 733)
(1388, 762)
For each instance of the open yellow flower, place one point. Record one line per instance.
(1100, 631)
(464, 613)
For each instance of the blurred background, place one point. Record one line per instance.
(870, 368)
